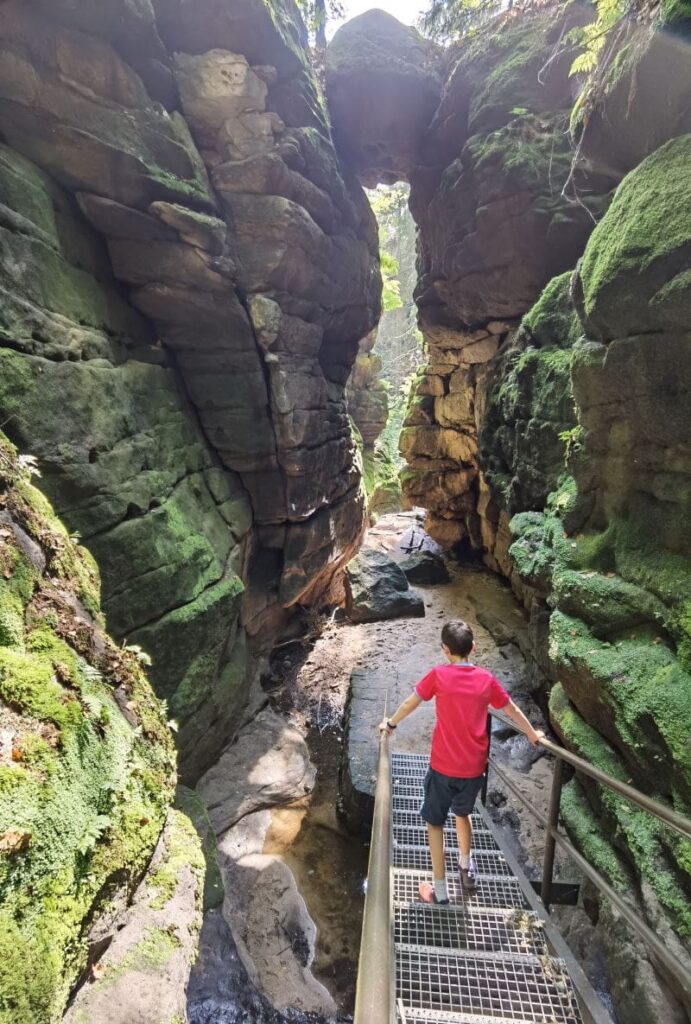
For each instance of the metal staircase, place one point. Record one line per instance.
(484, 958)
(495, 957)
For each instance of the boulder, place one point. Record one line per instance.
(426, 568)
(383, 87)
(269, 764)
(377, 589)
(634, 277)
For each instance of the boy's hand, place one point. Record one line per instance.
(385, 727)
(535, 736)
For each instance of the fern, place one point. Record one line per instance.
(592, 38)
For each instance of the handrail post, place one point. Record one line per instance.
(374, 999)
(483, 791)
(550, 842)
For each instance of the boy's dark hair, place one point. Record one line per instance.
(458, 637)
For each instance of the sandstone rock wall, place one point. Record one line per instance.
(178, 366)
(87, 773)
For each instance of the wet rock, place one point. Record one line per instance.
(220, 989)
(268, 765)
(376, 589)
(425, 567)
(279, 937)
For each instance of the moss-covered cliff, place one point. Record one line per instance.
(87, 763)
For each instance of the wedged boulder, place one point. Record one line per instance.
(377, 589)
(383, 87)
(425, 567)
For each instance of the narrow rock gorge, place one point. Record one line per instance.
(549, 432)
(191, 286)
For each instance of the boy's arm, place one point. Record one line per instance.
(517, 716)
(407, 707)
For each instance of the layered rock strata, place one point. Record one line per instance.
(192, 425)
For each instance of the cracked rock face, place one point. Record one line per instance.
(178, 363)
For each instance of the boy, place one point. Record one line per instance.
(460, 746)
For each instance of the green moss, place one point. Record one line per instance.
(188, 801)
(640, 838)
(89, 793)
(528, 152)
(183, 850)
(506, 63)
(28, 684)
(553, 321)
(27, 976)
(676, 14)
(586, 832)
(646, 222)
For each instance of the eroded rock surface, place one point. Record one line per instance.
(200, 331)
(269, 765)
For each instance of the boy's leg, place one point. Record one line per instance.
(464, 831)
(435, 809)
(435, 837)
(466, 793)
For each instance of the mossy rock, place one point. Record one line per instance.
(642, 842)
(86, 783)
(530, 412)
(634, 276)
(505, 70)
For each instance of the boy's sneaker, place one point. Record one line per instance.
(468, 883)
(428, 895)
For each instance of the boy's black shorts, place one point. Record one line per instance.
(444, 793)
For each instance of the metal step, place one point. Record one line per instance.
(519, 989)
(491, 892)
(418, 858)
(517, 932)
(484, 958)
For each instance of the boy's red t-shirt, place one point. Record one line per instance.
(463, 693)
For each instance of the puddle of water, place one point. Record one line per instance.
(329, 867)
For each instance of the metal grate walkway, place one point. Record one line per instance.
(485, 959)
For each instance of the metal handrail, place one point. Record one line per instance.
(374, 1001)
(670, 817)
(554, 838)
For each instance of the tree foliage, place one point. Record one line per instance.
(399, 342)
(446, 20)
(317, 14)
